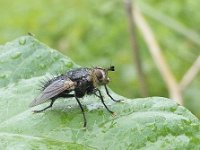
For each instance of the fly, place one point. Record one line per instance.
(75, 83)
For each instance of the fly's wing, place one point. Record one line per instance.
(52, 90)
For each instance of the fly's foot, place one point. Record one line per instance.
(37, 111)
(118, 100)
(113, 114)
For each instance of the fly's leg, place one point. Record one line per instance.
(107, 92)
(101, 97)
(64, 95)
(82, 110)
(51, 104)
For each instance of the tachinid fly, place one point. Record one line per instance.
(75, 83)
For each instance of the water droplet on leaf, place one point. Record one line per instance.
(69, 106)
(2, 76)
(42, 66)
(55, 56)
(16, 55)
(38, 56)
(22, 41)
(69, 64)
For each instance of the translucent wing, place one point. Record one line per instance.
(52, 90)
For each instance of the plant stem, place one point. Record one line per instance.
(155, 51)
(134, 44)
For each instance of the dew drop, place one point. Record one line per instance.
(16, 55)
(55, 56)
(2, 76)
(144, 106)
(69, 106)
(42, 66)
(69, 64)
(22, 41)
(19, 131)
(173, 108)
(152, 138)
(38, 56)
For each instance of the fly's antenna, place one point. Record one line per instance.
(111, 68)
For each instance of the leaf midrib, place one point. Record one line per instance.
(25, 136)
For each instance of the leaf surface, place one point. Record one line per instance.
(143, 123)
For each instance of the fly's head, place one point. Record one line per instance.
(100, 75)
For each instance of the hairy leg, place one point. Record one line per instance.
(82, 110)
(51, 104)
(102, 100)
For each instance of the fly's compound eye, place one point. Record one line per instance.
(99, 74)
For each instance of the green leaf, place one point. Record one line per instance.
(143, 123)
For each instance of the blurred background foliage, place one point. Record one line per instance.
(95, 33)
